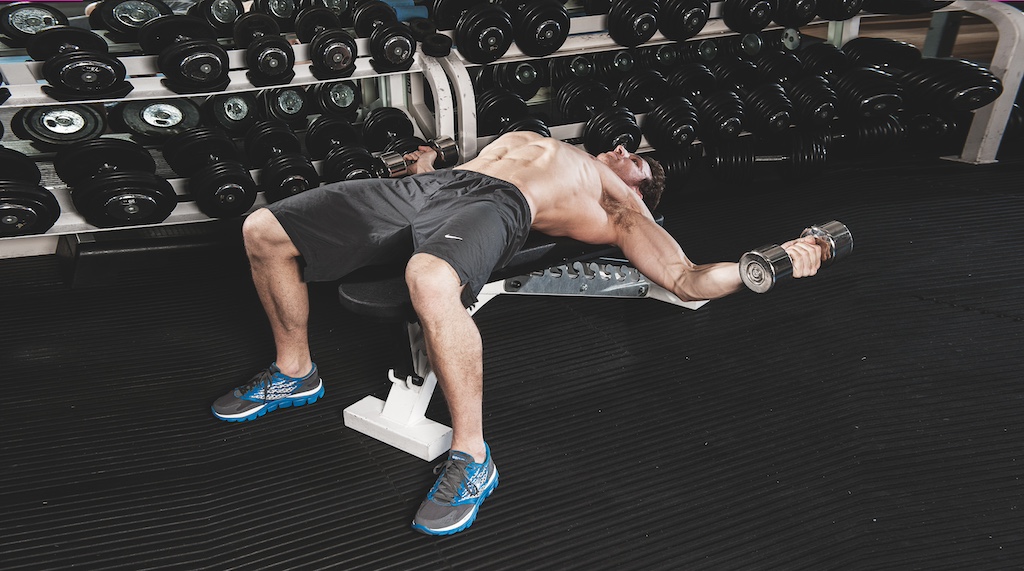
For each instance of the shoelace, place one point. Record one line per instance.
(261, 379)
(454, 474)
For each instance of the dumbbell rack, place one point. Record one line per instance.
(454, 110)
(588, 34)
(403, 89)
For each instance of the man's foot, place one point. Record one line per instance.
(268, 391)
(452, 503)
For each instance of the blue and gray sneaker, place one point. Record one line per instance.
(452, 503)
(268, 391)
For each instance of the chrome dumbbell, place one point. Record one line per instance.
(762, 267)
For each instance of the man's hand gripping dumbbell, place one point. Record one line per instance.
(761, 268)
(438, 153)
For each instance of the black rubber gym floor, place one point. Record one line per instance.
(867, 418)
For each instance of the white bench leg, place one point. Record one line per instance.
(400, 420)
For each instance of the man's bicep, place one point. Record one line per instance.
(653, 251)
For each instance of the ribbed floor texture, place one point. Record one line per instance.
(868, 418)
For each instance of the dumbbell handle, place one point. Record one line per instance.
(393, 165)
(761, 268)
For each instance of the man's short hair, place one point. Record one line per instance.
(651, 188)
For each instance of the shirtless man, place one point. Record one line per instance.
(458, 225)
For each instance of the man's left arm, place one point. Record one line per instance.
(656, 254)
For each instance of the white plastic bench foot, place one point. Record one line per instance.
(424, 438)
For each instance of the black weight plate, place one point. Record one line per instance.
(58, 124)
(384, 124)
(609, 129)
(18, 167)
(22, 20)
(194, 66)
(158, 34)
(26, 209)
(333, 54)
(348, 163)
(254, 25)
(221, 14)
(484, 33)
(533, 124)
(339, 98)
(370, 15)
(405, 145)
(421, 28)
(77, 164)
(748, 16)
(84, 72)
(286, 104)
(632, 22)
(287, 175)
(327, 133)
(268, 138)
(191, 150)
(223, 189)
(312, 20)
(50, 42)
(392, 48)
(436, 45)
(155, 119)
(282, 11)
(124, 199)
(445, 13)
(125, 17)
(838, 10)
(541, 27)
(795, 13)
(683, 19)
(233, 112)
(270, 61)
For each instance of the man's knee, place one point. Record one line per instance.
(263, 234)
(430, 277)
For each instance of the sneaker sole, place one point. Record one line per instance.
(272, 406)
(463, 525)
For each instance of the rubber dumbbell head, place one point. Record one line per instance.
(221, 14)
(285, 171)
(269, 57)
(22, 20)
(76, 64)
(233, 112)
(155, 119)
(187, 53)
(58, 125)
(332, 51)
(219, 183)
(125, 18)
(113, 183)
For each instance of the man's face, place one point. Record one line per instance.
(630, 167)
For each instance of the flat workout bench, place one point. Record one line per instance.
(543, 266)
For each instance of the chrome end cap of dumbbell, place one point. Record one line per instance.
(762, 267)
(391, 165)
(447, 151)
(836, 236)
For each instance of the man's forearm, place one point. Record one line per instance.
(709, 281)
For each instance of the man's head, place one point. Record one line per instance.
(643, 174)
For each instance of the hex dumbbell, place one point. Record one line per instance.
(273, 147)
(762, 268)
(123, 19)
(389, 131)
(113, 183)
(58, 125)
(607, 125)
(217, 180)
(269, 57)
(76, 64)
(392, 45)
(332, 51)
(22, 20)
(26, 207)
(187, 53)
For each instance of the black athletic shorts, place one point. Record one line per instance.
(473, 221)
